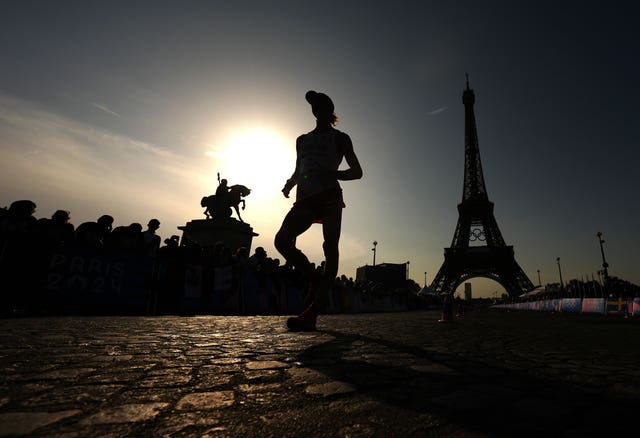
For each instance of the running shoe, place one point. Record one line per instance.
(305, 322)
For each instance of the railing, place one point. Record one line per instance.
(86, 281)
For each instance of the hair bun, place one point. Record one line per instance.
(311, 96)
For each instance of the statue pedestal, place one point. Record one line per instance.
(229, 231)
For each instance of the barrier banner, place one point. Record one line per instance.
(259, 294)
(295, 299)
(193, 281)
(222, 278)
(225, 297)
(346, 305)
(571, 305)
(557, 304)
(547, 306)
(635, 311)
(616, 306)
(88, 281)
(593, 305)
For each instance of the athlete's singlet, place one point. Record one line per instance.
(319, 157)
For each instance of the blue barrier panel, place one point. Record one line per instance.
(225, 296)
(571, 305)
(547, 306)
(191, 301)
(193, 281)
(81, 280)
(250, 293)
(295, 300)
(593, 305)
(258, 294)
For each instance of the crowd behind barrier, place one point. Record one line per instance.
(49, 266)
(603, 306)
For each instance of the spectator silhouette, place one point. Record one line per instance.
(127, 239)
(173, 241)
(150, 239)
(18, 246)
(94, 234)
(257, 262)
(57, 232)
(19, 218)
(170, 276)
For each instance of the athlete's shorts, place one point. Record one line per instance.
(320, 203)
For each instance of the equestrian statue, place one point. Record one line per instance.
(218, 206)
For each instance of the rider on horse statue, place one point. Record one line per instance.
(219, 205)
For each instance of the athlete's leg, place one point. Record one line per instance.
(296, 222)
(331, 225)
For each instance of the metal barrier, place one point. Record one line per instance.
(602, 306)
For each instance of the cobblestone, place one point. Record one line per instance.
(487, 374)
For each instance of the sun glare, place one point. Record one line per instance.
(258, 159)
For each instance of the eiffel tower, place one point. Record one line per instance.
(477, 249)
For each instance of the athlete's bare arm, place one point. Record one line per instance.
(354, 171)
(291, 182)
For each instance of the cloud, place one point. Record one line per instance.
(105, 109)
(437, 111)
(61, 163)
(58, 162)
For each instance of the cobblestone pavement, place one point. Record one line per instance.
(488, 374)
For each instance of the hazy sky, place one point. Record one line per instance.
(131, 108)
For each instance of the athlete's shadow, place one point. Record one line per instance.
(480, 397)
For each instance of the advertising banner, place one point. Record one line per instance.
(593, 305)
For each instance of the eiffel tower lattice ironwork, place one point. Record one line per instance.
(477, 249)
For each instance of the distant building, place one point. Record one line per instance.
(390, 275)
(467, 292)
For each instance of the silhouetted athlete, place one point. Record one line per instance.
(318, 199)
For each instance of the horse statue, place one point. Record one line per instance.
(220, 206)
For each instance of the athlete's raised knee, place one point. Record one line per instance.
(283, 243)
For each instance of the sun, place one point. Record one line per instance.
(257, 158)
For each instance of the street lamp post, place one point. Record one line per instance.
(605, 265)
(408, 263)
(425, 278)
(374, 252)
(560, 272)
(539, 281)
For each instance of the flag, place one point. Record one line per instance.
(572, 305)
(616, 306)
